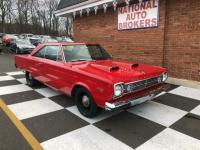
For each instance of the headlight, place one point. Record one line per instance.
(118, 89)
(165, 76)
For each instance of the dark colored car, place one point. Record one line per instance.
(1, 35)
(1, 45)
(1, 42)
(35, 41)
(22, 46)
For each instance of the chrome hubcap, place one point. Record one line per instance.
(86, 101)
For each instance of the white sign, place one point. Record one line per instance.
(140, 15)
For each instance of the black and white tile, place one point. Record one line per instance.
(170, 139)
(159, 113)
(169, 122)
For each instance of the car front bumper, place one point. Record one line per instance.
(151, 94)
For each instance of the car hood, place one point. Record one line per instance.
(117, 71)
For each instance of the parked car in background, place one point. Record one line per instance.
(62, 38)
(26, 35)
(45, 37)
(22, 46)
(8, 38)
(1, 35)
(16, 35)
(1, 45)
(87, 72)
(59, 39)
(66, 39)
(36, 36)
(35, 41)
(48, 40)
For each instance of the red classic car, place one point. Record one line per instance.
(87, 72)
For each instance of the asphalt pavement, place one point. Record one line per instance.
(7, 61)
(12, 138)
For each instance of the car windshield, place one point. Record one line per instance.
(26, 42)
(84, 52)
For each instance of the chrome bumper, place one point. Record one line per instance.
(134, 101)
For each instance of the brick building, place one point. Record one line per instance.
(173, 41)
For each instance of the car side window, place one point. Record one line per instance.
(40, 53)
(53, 53)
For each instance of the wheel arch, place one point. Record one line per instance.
(77, 86)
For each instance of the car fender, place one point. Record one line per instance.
(96, 93)
(87, 87)
(80, 84)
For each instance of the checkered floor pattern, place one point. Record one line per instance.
(169, 122)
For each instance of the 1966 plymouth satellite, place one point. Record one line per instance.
(87, 72)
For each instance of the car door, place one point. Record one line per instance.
(36, 66)
(54, 66)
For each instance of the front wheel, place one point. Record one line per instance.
(30, 80)
(86, 104)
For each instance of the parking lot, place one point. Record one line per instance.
(41, 118)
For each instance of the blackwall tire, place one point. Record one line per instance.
(30, 80)
(82, 97)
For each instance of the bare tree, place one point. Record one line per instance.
(23, 7)
(4, 7)
(34, 16)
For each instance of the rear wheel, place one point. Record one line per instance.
(30, 80)
(85, 103)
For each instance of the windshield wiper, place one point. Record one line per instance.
(81, 60)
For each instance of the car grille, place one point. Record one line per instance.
(140, 85)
